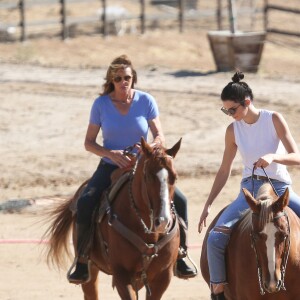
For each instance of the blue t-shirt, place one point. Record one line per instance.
(120, 131)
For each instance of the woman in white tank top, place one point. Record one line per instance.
(264, 140)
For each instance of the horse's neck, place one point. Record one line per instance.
(294, 222)
(245, 224)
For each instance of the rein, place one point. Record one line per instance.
(252, 177)
(287, 245)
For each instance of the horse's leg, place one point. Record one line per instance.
(90, 289)
(122, 281)
(159, 284)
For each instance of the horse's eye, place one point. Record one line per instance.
(284, 235)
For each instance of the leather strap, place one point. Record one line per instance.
(134, 239)
(252, 176)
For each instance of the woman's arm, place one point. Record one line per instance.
(222, 174)
(156, 130)
(292, 157)
(91, 145)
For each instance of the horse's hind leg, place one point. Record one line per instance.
(90, 289)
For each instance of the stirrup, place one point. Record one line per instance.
(74, 265)
(181, 276)
(182, 253)
(192, 262)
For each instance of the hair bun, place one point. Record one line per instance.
(237, 77)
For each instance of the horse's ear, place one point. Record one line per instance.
(281, 202)
(254, 204)
(173, 151)
(146, 148)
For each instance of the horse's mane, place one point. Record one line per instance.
(266, 198)
(159, 151)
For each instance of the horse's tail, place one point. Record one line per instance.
(58, 233)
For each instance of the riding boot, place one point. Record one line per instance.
(219, 296)
(82, 270)
(183, 270)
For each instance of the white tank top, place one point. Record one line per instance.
(256, 140)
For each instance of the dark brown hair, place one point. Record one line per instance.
(237, 90)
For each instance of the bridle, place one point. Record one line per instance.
(287, 243)
(147, 229)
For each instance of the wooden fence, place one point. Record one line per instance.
(269, 8)
(65, 21)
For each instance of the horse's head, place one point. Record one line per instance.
(270, 236)
(158, 184)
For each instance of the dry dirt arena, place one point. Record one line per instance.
(46, 91)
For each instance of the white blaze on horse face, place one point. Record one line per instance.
(270, 231)
(165, 215)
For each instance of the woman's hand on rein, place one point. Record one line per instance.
(264, 161)
(121, 160)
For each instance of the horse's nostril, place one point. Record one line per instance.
(157, 222)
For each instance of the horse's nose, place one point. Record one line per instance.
(272, 286)
(161, 224)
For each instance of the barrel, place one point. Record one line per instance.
(240, 50)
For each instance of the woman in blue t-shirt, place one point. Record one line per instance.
(124, 115)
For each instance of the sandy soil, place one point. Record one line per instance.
(46, 90)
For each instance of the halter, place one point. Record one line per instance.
(287, 245)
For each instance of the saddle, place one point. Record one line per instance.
(119, 178)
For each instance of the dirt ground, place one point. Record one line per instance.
(46, 91)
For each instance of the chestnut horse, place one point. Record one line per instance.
(263, 257)
(137, 240)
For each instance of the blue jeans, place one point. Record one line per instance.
(92, 193)
(217, 241)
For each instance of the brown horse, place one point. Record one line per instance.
(263, 257)
(137, 240)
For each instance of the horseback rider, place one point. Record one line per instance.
(124, 114)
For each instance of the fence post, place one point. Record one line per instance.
(266, 21)
(181, 14)
(219, 15)
(22, 21)
(64, 33)
(253, 14)
(104, 27)
(142, 16)
(232, 15)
